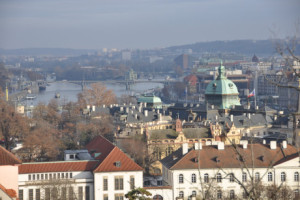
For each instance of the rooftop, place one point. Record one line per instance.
(7, 158)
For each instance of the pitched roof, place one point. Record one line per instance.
(109, 164)
(60, 166)
(211, 157)
(100, 147)
(108, 154)
(10, 192)
(7, 158)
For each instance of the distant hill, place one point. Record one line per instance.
(46, 52)
(246, 47)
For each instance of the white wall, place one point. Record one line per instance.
(98, 184)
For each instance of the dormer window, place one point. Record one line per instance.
(118, 163)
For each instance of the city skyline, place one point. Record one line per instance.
(141, 24)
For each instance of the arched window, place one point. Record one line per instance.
(231, 177)
(219, 178)
(296, 194)
(270, 176)
(244, 177)
(296, 176)
(257, 176)
(219, 194)
(206, 178)
(282, 177)
(180, 178)
(194, 193)
(157, 153)
(158, 197)
(231, 194)
(193, 178)
(181, 194)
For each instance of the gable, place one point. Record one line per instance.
(117, 161)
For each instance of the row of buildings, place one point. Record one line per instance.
(215, 171)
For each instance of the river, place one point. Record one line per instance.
(68, 91)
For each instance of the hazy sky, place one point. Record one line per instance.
(96, 24)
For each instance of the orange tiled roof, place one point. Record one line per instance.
(10, 192)
(211, 157)
(100, 145)
(61, 166)
(109, 163)
(7, 158)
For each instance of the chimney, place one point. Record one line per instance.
(212, 106)
(264, 141)
(185, 148)
(275, 117)
(135, 116)
(103, 106)
(231, 118)
(110, 105)
(88, 107)
(221, 146)
(284, 144)
(273, 145)
(93, 108)
(257, 107)
(146, 113)
(157, 111)
(127, 110)
(121, 109)
(244, 143)
(140, 108)
(145, 104)
(131, 111)
(198, 145)
(249, 115)
(133, 107)
(160, 116)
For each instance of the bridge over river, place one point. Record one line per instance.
(128, 83)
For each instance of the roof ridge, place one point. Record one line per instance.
(101, 162)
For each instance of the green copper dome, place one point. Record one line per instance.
(222, 92)
(151, 100)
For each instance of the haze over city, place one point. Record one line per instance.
(141, 24)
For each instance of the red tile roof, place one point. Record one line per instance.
(116, 155)
(61, 166)
(10, 192)
(211, 157)
(7, 158)
(100, 145)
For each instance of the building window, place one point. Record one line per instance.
(62, 175)
(80, 193)
(50, 176)
(296, 194)
(169, 151)
(244, 177)
(54, 194)
(29, 177)
(20, 194)
(257, 176)
(231, 194)
(47, 194)
(64, 193)
(219, 178)
(132, 182)
(194, 193)
(87, 192)
(296, 176)
(105, 184)
(54, 176)
(181, 194)
(42, 176)
(71, 193)
(37, 194)
(71, 156)
(282, 177)
(33, 177)
(105, 197)
(119, 183)
(37, 177)
(193, 178)
(180, 178)
(206, 178)
(67, 175)
(219, 194)
(119, 197)
(30, 194)
(270, 176)
(46, 176)
(231, 177)
(58, 175)
(71, 175)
